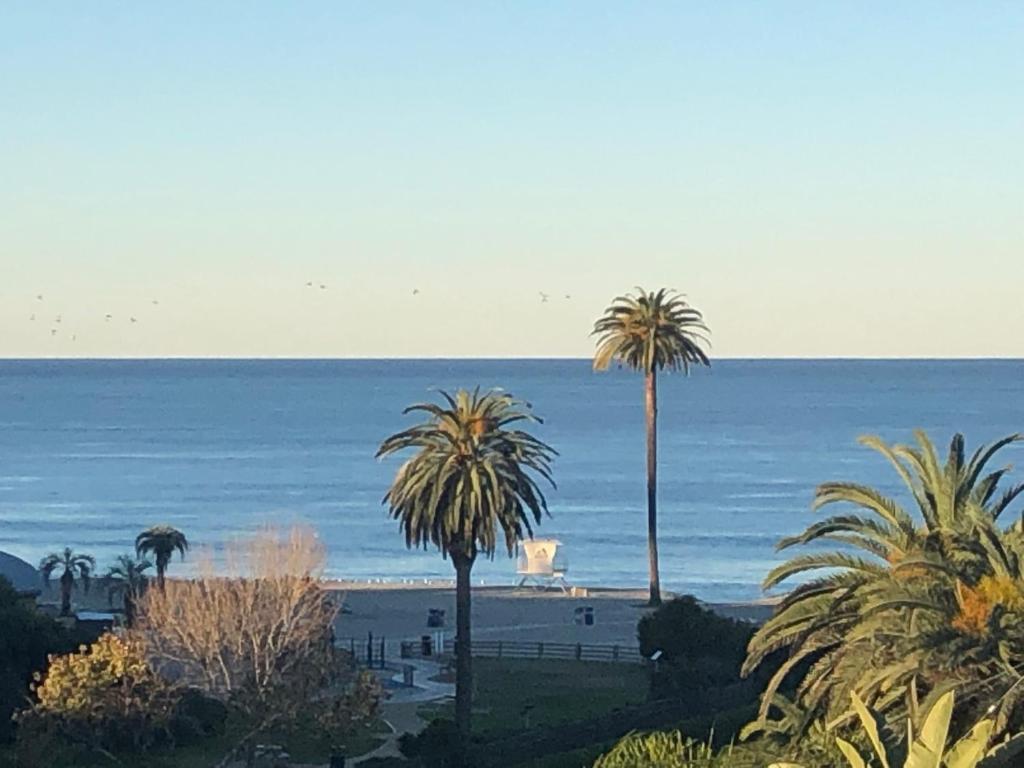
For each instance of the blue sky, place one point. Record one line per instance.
(822, 179)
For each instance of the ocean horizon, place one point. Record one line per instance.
(94, 450)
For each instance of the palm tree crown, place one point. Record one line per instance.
(74, 567)
(871, 613)
(162, 541)
(651, 331)
(470, 475)
(470, 480)
(127, 579)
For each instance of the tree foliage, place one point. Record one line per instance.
(651, 331)
(105, 696)
(162, 541)
(908, 603)
(469, 479)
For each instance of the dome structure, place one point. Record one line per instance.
(23, 576)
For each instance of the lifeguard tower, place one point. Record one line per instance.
(543, 564)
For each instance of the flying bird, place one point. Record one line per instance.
(133, 319)
(415, 291)
(108, 317)
(568, 296)
(53, 331)
(39, 297)
(155, 303)
(323, 287)
(58, 319)
(32, 318)
(543, 297)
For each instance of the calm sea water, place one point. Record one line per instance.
(93, 451)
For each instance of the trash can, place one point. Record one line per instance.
(426, 646)
(584, 615)
(408, 672)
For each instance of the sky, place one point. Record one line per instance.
(820, 179)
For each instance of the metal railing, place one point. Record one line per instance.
(523, 649)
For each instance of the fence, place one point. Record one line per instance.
(521, 649)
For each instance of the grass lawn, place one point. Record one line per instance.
(305, 745)
(514, 694)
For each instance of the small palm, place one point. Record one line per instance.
(162, 541)
(75, 568)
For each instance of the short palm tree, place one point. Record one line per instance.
(75, 568)
(650, 332)
(469, 481)
(162, 541)
(874, 615)
(127, 580)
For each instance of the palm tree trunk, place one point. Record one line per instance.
(651, 397)
(463, 648)
(66, 582)
(160, 575)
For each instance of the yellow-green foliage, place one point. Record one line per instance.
(660, 749)
(927, 749)
(85, 683)
(105, 696)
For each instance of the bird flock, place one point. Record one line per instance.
(57, 325)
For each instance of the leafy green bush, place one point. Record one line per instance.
(436, 746)
(27, 640)
(104, 697)
(700, 651)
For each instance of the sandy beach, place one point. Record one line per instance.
(399, 612)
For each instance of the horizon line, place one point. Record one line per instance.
(525, 358)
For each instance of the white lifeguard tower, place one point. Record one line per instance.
(543, 564)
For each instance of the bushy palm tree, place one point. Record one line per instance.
(469, 482)
(75, 568)
(901, 595)
(127, 580)
(651, 332)
(162, 541)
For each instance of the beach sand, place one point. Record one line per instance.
(399, 612)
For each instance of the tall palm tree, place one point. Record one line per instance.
(468, 482)
(862, 618)
(75, 568)
(162, 541)
(127, 579)
(650, 332)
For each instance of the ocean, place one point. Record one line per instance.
(92, 452)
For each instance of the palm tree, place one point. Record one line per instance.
(127, 579)
(74, 567)
(468, 481)
(876, 621)
(651, 332)
(161, 540)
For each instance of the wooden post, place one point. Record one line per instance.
(615, 653)
(579, 651)
(540, 650)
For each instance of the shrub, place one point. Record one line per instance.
(105, 697)
(27, 639)
(664, 749)
(436, 746)
(700, 650)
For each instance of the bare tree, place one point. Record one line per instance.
(256, 634)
